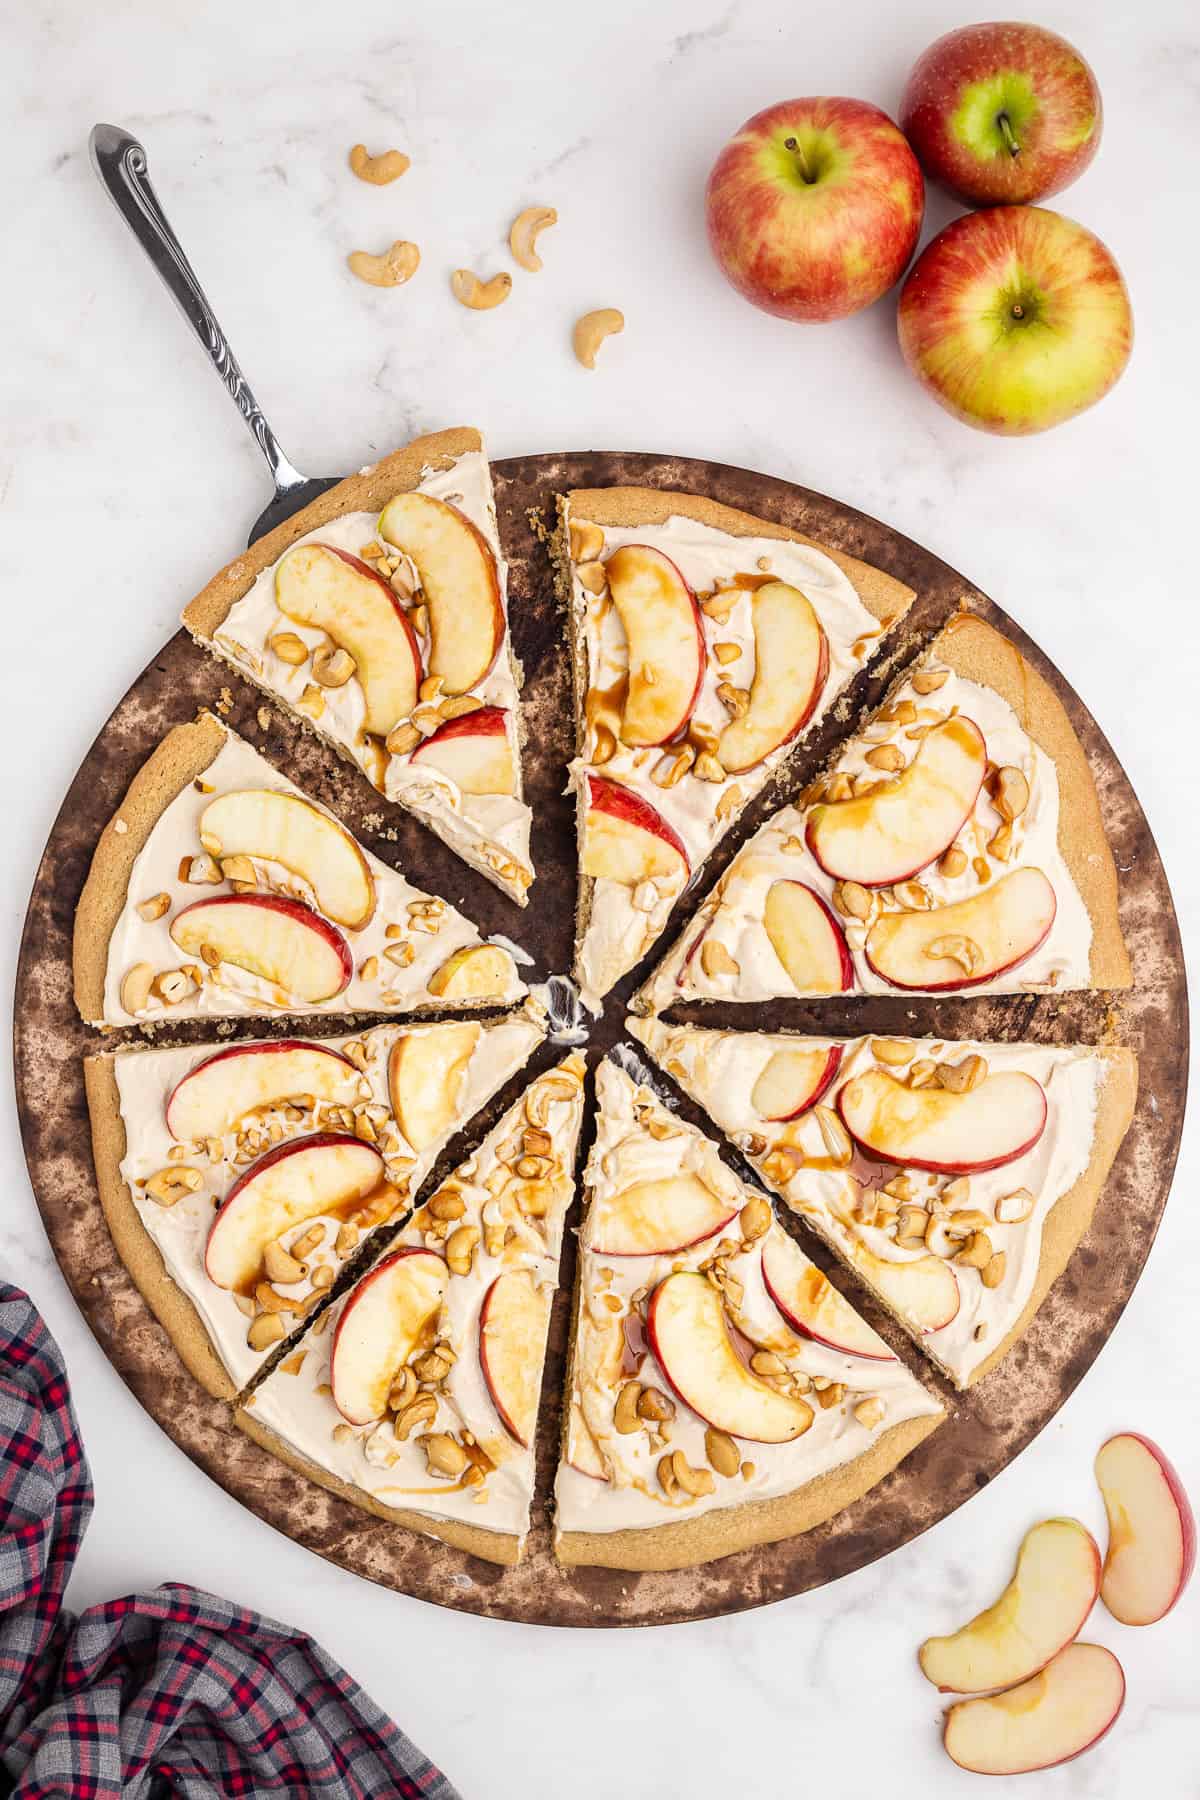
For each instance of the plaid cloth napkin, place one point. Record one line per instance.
(163, 1693)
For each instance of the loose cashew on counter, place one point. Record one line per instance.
(480, 296)
(523, 236)
(396, 265)
(389, 165)
(591, 331)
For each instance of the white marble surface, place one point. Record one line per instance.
(124, 476)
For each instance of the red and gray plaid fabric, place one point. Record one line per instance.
(163, 1693)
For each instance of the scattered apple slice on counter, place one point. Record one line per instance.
(459, 582)
(944, 1133)
(665, 635)
(900, 829)
(807, 939)
(968, 943)
(279, 940)
(791, 663)
(213, 1096)
(685, 1324)
(287, 829)
(1151, 1530)
(583, 1452)
(384, 1320)
(513, 1322)
(476, 972)
(793, 1080)
(334, 592)
(329, 1172)
(922, 1291)
(473, 751)
(626, 839)
(1056, 1715)
(426, 1070)
(656, 1218)
(1053, 1589)
(811, 1304)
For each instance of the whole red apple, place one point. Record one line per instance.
(1002, 114)
(1015, 319)
(815, 207)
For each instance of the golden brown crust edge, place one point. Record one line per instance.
(492, 1546)
(978, 652)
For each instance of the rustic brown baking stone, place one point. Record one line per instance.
(988, 1426)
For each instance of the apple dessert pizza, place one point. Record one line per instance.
(955, 844)
(955, 1179)
(415, 1395)
(218, 888)
(705, 642)
(721, 1392)
(378, 615)
(236, 1182)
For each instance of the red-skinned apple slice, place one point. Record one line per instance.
(1053, 1589)
(791, 663)
(426, 1070)
(287, 829)
(665, 635)
(657, 1218)
(685, 1324)
(327, 1173)
(900, 829)
(329, 589)
(807, 939)
(459, 581)
(1151, 1530)
(1004, 923)
(279, 940)
(383, 1322)
(626, 839)
(476, 972)
(513, 1322)
(922, 1291)
(793, 1080)
(944, 1133)
(583, 1452)
(1054, 1716)
(812, 1306)
(213, 1096)
(473, 751)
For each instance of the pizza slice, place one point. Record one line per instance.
(706, 643)
(721, 1392)
(218, 888)
(379, 617)
(237, 1181)
(415, 1395)
(955, 1179)
(956, 844)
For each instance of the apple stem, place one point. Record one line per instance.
(1006, 132)
(793, 144)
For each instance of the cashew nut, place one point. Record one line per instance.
(480, 296)
(524, 235)
(389, 165)
(396, 266)
(591, 331)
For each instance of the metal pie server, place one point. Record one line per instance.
(120, 162)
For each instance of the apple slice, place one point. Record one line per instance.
(1053, 1589)
(807, 939)
(812, 1306)
(385, 1319)
(473, 751)
(626, 839)
(222, 1089)
(901, 828)
(287, 829)
(656, 1218)
(793, 1080)
(279, 940)
(476, 972)
(922, 1291)
(665, 636)
(513, 1323)
(946, 1134)
(582, 1450)
(426, 1071)
(996, 930)
(791, 664)
(1056, 1715)
(329, 1173)
(1151, 1530)
(685, 1324)
(459, 582)
(317, 585)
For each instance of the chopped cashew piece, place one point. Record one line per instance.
(591, 331)
(526, 227)
(480, 296)
(378, 170)
(396, 265)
